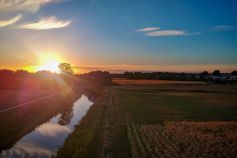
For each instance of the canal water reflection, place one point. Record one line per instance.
(46, 139)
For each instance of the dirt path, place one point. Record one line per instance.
(107, 135)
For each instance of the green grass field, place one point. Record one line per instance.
(103, 132)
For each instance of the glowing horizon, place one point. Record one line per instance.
(145, 68)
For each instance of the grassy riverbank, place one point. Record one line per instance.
(85, 141)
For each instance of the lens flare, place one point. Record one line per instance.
(50, 63)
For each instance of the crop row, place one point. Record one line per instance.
(183, 139)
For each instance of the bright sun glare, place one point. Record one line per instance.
(50, 63)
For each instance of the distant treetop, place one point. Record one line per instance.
(65, 68)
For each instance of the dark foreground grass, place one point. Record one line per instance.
(143, 105)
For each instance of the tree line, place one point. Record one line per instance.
(215, 76)
(21, 79)
(98, 77)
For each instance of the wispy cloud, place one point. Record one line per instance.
(166, 33)
(10, 21)
(146, 29)
(156, 31)
(24, 5)
(46, 23)
(220, 28)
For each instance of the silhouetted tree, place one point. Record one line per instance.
(67, 73)
(21, 73)
(216, 73)
(65, 68)
(234, 72)
(6, 73)
(204, 75)
(45, 79)
(44, 74)
(98, 77)
(7, 79)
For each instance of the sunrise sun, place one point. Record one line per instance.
(50, 63)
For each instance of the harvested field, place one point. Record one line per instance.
(183, 139)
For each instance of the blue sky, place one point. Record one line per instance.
(138, 34)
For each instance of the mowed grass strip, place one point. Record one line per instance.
(142, 106)
(124, 81)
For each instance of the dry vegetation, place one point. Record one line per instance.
(183, 139)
